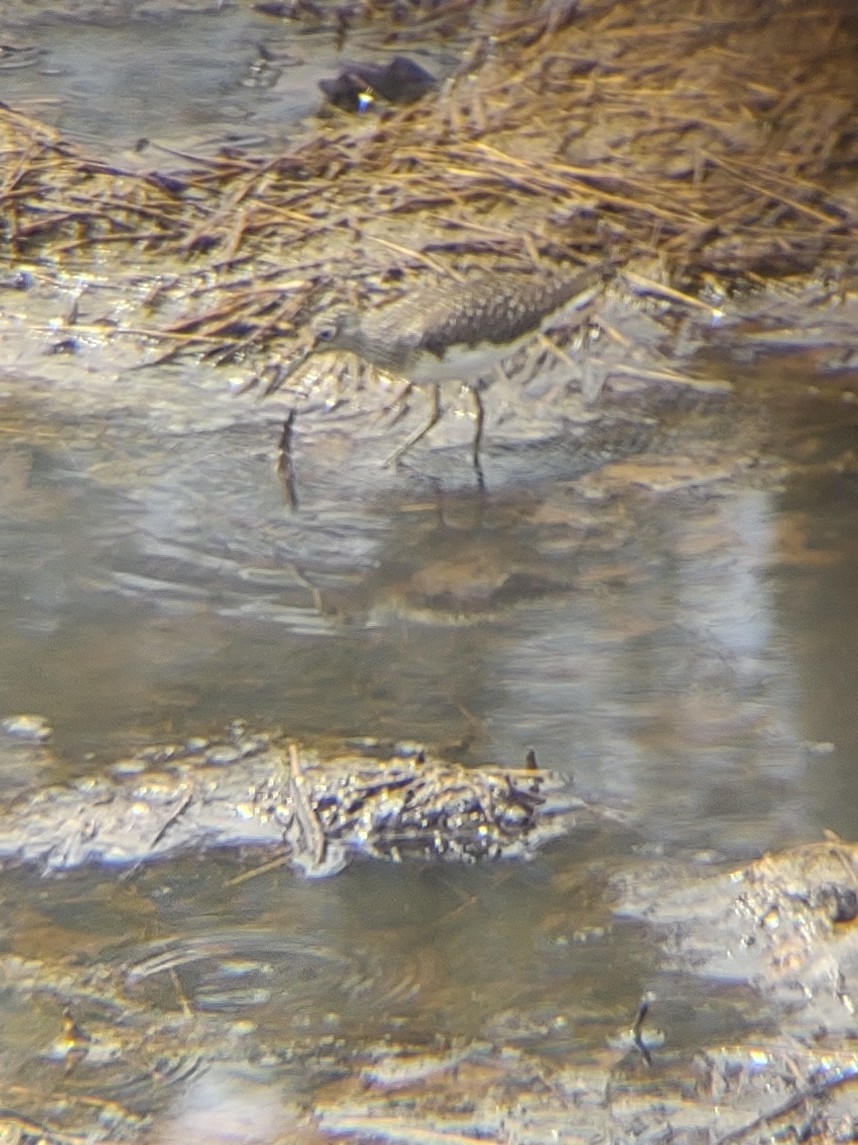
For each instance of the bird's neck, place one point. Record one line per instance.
(387, 353)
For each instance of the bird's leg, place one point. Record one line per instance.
(285, 467)
(434, 417)
(479, 425)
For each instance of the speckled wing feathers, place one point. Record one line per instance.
(498, 309)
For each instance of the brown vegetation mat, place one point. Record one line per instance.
(710, 142)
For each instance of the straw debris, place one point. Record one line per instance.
(705, 146)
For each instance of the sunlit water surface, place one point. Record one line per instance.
(686, 654)
(687, 651)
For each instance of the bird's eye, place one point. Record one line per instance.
(326, 334)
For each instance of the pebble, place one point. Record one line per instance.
(36, 729)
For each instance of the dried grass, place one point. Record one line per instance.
(705, 141)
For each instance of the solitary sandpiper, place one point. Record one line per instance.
(454, 331)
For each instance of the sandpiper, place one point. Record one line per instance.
(453, 331)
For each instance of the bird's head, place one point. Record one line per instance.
(338, 329)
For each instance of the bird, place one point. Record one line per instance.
(450, 330)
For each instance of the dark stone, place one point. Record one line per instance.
(402, 81)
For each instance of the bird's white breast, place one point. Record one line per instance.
(461, 364)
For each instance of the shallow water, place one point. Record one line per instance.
(685, 650)
(668, 645)
(184, 76)
(669, 617)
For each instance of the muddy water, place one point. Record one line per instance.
(674, 626)
(669, 615)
